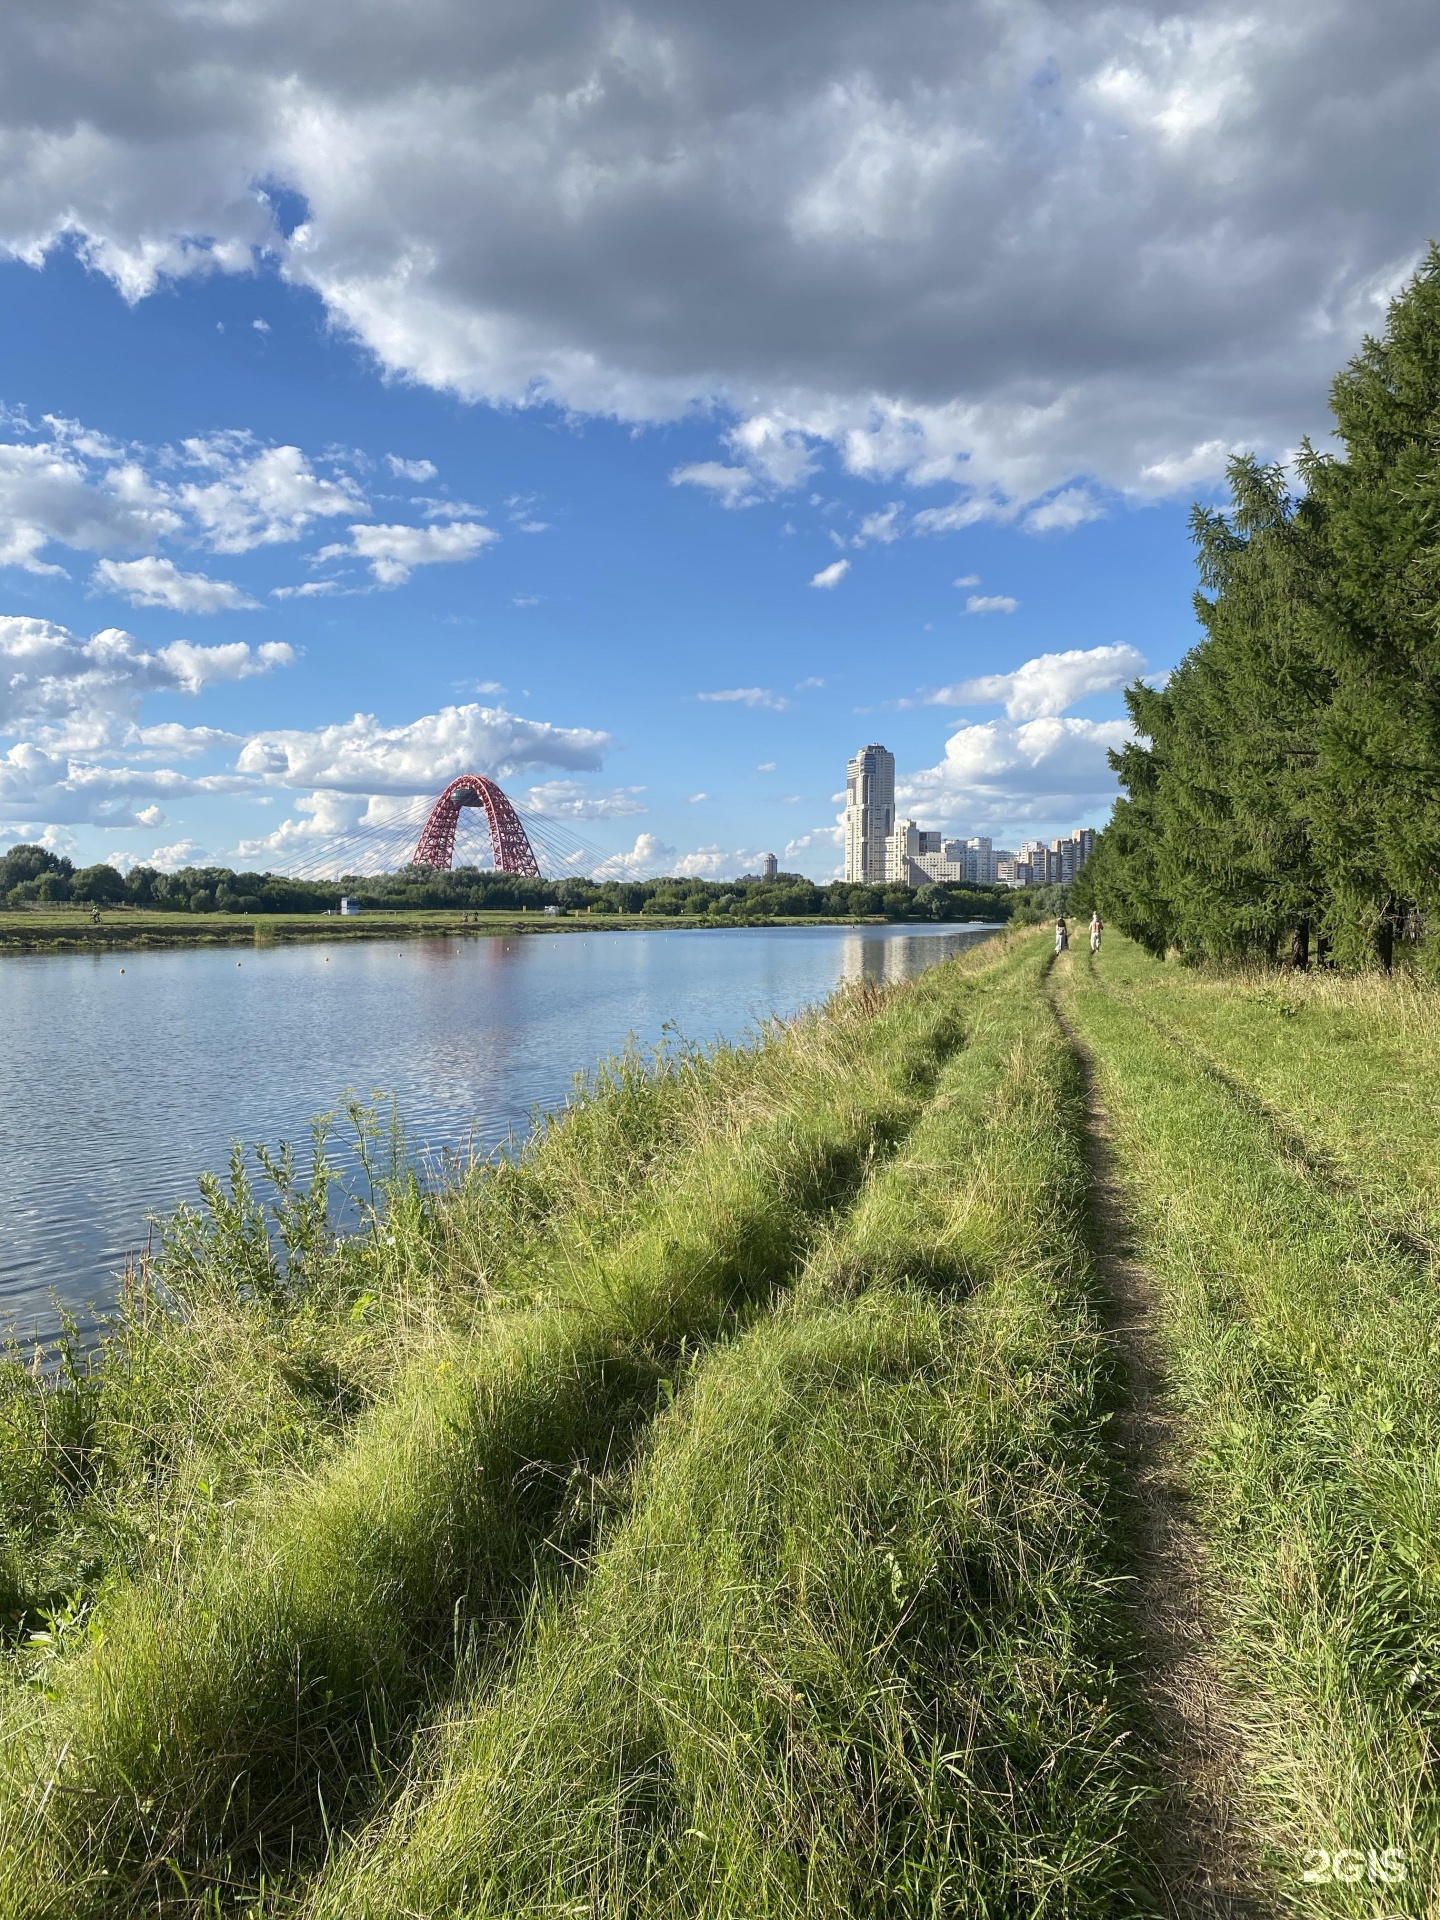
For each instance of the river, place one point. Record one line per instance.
(123, 1075)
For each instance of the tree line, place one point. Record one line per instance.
(33, 876)
(1283, 798)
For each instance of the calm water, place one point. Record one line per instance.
(117, 1088)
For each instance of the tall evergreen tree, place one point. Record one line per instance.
(1377, 797)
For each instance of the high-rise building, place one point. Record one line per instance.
(869, 814)
(769, 866)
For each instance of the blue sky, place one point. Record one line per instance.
(410, 468)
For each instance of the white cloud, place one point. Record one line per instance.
(815, 680)
(1006, 247)
(361, 756)
(967, 580)
(411, 469)
(1069, 509)
(717, 863)
(258, 496)
(394, 552)
(766, 766)
(1048, 684)
(832, 575)
(169, 740)
(991, 603)
(749, 697)
(648, 859)
(568, 800)
(88, 691)
(40, 784)
(153, 582)
(181, 853)
(731, 486)
(996, 776)
(883, 525)
(695, 798)
(82, 496)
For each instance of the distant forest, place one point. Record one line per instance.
(31, 876)
(1283, 799)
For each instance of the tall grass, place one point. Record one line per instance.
(1351, 1062)
(1305, 1350)
(228, 1709)
(853, 1649)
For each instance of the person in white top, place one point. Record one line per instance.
(1097, 927)
(1062, 935)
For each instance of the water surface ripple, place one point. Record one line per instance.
(118, 1087)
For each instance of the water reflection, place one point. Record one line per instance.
(116, 1089)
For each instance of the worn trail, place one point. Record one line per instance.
(1204, 1865)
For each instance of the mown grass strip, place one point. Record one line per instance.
(1305, 1352)
(855, 1648)
(230, 1714)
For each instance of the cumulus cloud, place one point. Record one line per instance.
(153, 582)
(832, 575)
(1048, 684)
(79, 690)
(393, 553)
(410, 469)
(996, 775)
(180, 853)
(749, 697)
(648, 859)
(41, 784)
(991, 603)
(259, 496)
(361, 756)
(568, 800)
(87, 496)
(1004, 247)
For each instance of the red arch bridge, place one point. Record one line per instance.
(472, 823)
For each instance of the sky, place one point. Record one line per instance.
(648, 406)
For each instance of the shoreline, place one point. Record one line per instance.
(139, 928)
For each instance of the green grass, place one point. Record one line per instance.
(229, 1706)
(1304, 1347)
(711, 1510)
(853, 1647)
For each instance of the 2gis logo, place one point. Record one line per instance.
(1347, 1866)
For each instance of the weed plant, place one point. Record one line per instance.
(853, 1647)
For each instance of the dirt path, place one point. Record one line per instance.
(1203, 1859)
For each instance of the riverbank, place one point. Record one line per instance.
(65, 930)
(772, 1491)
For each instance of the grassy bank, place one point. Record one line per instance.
(1301, 1336)
(244, 1693)
(851, 1644)
(725, 1506)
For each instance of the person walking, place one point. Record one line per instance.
(1097, 927)
(1062, 935)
